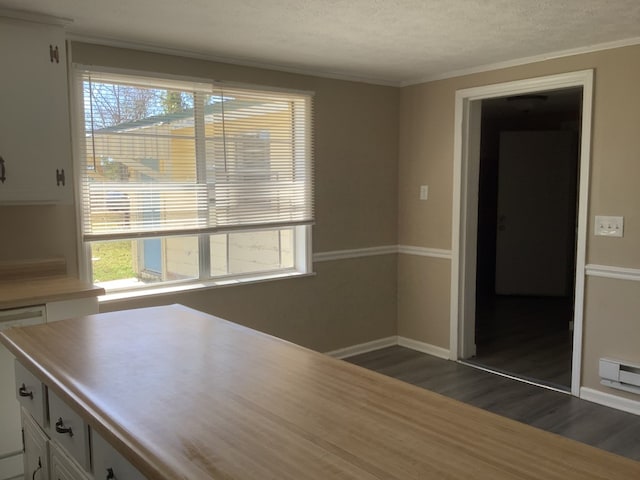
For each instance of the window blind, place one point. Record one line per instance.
(169, 157)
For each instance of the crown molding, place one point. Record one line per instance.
(524, 61)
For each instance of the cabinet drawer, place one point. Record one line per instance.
(31, 394)
(68, 429)
(106, 459)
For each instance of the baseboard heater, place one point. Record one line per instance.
(621, 375)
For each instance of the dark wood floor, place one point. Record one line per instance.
(587, 422)
(528, 337)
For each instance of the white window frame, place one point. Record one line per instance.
(303, 250)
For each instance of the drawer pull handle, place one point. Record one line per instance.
(110, 474)
(60, 428)
(33, 477)
(23, 392)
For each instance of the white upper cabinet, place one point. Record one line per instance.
(35, 142)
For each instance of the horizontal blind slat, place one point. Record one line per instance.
(142, 172)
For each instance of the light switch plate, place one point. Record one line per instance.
(424, 192)
(607, 226)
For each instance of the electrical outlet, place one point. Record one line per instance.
(609, 226)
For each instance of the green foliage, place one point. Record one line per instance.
(112, 261)
(173, 102)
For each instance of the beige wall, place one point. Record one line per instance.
(38, 232)
(347, 302)
(423, 290)
(426, 157)
(611, 327)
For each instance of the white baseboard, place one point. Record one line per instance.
(390, 342)
(424, 347)
(609, 400)
(364, 347)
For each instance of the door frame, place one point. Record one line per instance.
(466, 168)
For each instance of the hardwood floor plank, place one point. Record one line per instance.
(590, 423)
(528, 337)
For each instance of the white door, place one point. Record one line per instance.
(536, 213)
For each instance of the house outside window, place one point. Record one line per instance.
(186, 181)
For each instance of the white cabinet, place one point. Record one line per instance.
(36, 449)
(62, 467)
(45, 459)
(10, 436)
(29, 391)
(69, 430)
(35, 144)
(108, 463)
(58, 443)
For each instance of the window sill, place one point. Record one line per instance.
(197, 285)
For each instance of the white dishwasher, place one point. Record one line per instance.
(11, 431)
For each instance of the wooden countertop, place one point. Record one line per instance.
(184, 395)
(33, 282)
(24, 292)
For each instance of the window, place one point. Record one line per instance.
(187, 181)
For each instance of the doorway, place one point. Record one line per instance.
(520, 180)
(526, 235)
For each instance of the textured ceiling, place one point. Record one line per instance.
(381, 41)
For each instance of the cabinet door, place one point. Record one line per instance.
(108, 464)
(63, 468)
(34, 125)
(36, 449)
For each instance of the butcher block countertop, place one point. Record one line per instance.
(27, 283)
(36, 291)
(185, 395)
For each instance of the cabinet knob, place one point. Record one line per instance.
(110, 474)
(23, 392)
(60, 428)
